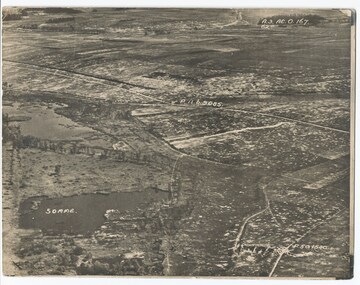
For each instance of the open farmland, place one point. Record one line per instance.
(176, 142)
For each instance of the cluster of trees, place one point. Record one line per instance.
(55, 10)
(13, 134)
(60, 20)
(10, 14)
(10, 133)
(121, 266)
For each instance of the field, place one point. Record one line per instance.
(176, 142)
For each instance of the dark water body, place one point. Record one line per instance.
(81, 214)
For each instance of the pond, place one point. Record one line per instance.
(44, 123)
(81, 214)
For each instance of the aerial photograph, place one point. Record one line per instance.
(177, 142)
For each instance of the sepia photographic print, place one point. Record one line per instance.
(178, 142)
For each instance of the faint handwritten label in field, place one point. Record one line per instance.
(265, 248)
(311, 247)
(284, 21)
(60, 211)
(199, 103)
